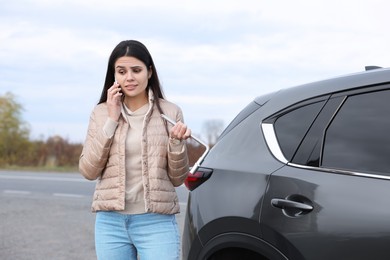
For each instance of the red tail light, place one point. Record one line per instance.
(200, 176)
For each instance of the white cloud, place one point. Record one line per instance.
(211, 55)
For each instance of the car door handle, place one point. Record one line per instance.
(286, 204)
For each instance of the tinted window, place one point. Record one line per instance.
(358, 138)
(309, 151)
(291, 127)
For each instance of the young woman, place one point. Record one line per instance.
(137, 159)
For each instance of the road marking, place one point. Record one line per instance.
(23, 192)
(20, 192)
(36, 178)
(67, 195)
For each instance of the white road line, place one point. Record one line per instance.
(20, 192)
(36, 178)
(67, 195)
(23, 192)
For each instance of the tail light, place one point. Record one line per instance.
(200, 176)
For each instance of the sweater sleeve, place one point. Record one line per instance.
(110, 127)
(96, 150)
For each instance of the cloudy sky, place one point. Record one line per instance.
(213, 57)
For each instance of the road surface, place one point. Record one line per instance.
(47, 216)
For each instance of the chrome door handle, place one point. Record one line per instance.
(286, 204)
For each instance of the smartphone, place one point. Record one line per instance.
(116, 82)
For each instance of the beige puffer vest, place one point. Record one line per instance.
(103, 159)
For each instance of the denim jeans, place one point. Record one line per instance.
(150, 236)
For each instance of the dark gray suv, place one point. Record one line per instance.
(302, 173)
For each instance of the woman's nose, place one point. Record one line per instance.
(129, 76)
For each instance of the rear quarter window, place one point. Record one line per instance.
(291, 127)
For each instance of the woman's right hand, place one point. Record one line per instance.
(114, 99)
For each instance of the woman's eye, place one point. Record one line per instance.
(137, 70)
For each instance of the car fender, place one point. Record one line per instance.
(232, 232)
(240, 240)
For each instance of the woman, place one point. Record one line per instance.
(137, 160)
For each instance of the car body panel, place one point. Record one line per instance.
(289, 211)
(337, 221)
(227, 202)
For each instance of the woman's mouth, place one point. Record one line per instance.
(130, 87)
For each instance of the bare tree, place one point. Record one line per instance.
(213, 128)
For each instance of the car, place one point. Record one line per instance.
(300, 173)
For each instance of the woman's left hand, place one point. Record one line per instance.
(180, 131)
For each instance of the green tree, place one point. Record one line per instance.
(14, 132)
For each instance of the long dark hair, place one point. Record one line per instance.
(137, 50)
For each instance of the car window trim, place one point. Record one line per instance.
(272, 142)
(338, 171)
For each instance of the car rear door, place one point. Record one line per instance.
(332, 200)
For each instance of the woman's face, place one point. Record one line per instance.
(132, 75)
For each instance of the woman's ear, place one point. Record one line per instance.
(150, 72)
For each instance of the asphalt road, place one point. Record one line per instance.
(47, 216)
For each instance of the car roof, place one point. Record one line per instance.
(289, 96)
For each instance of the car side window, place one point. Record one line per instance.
(358, 138)
(291, 127)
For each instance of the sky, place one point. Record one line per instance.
(213, 56)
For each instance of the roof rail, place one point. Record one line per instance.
(372, 67)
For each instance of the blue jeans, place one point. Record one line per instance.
(151, 236)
